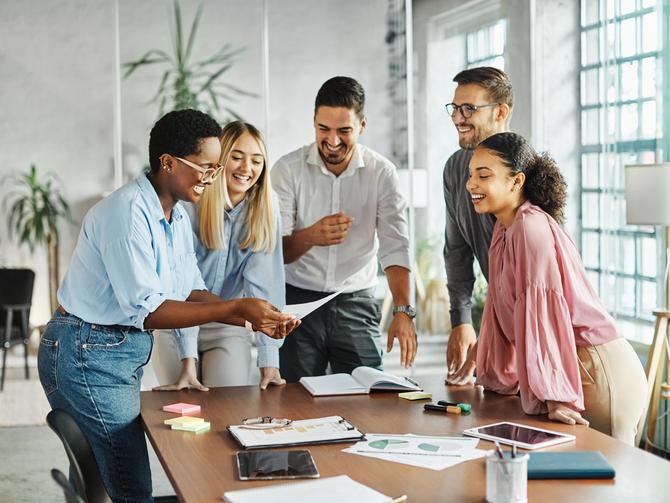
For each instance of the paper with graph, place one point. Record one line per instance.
(436, 453)
(307, 431)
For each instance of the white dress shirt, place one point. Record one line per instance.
(367, 191)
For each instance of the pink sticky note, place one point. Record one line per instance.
(185, 409)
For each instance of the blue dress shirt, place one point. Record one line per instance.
(129, 259)
(231, 273)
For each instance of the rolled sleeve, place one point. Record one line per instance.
(132, 274)
(392, 227)
(268, 350)
(186, 340)
(282, 184)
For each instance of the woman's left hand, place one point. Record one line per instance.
(271, 375)
(560, 412)
(187, 378)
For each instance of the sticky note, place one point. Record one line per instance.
(184, 420)
(415, 395)
(184, 409)
(193, 427)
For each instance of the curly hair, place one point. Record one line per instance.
(545, 185)
(179, 133)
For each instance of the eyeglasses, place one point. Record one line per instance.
(208, 174)
(264, 422)
(466, 109)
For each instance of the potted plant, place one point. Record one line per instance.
(35, 208)
(186, 83)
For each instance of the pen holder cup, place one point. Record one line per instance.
(506, 478)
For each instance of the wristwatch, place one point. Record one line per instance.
(408, 310)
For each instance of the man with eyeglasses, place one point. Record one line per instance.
(481, 107)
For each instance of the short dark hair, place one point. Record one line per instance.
(545, 186)
(179, 133)
(341, 92)
(495, 81)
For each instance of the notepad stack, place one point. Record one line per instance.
(186, 422)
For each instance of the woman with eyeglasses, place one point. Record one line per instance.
(134, 270)
(237, 228)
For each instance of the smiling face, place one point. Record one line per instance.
(492, 187)
(244, 166)
(483, 122)
(337, 131)
(186, 182)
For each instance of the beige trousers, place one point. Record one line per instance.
(225, 351)
(615, 388)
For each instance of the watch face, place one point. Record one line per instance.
(408, 310)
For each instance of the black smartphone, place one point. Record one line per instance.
(276, 464)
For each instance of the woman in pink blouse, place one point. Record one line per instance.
(545, 332)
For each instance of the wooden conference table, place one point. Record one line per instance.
(202, 467)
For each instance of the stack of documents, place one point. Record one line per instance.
(436, 453)
(329, 490)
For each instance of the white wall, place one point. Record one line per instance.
(56, 86)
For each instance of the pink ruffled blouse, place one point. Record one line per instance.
(540, 307)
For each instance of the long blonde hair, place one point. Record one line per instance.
(260, 220)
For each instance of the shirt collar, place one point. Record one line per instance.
(153, 203)
(355, 162)
(237, 209)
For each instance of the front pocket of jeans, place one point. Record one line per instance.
(105, 338)
(47, 365)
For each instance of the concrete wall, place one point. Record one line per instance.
(57, 78)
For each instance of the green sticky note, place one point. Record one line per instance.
(193, 427)
(416, 395)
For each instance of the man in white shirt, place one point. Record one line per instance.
(341, 206)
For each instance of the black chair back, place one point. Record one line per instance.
(84, 468)
(69, 492)
(16, 288)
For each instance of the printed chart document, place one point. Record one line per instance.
(328, 490)
(302, 310)
(321, 430)
(435, 453)
(361, 381)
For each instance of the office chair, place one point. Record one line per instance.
(69, 492)
(16, 294)
(83, 466)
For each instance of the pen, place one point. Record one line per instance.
(399, 499)
(443, 408)
(408, 453)
(412, 381)
(465, 407)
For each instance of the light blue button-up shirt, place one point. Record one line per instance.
(129, 259)
(231, 273)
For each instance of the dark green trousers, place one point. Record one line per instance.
(344, 333)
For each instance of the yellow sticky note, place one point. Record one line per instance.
(193, 427)
(183, 420)
(415, 395)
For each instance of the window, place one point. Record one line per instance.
(620, 60)
(486, 46)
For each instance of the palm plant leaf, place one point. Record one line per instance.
(151, 57)
(191, 35)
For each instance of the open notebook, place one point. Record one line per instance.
(361, 381)
(328, 490)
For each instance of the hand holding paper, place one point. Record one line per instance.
(302, 310)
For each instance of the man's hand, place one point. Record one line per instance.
(402, 328)
(465, 374)
(271, 375)
(330, 230)
(461, 339)
(187, 378)
(560, 412)
(266, 318)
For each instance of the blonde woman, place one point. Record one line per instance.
(238, 247)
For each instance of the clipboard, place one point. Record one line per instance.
(321, 430)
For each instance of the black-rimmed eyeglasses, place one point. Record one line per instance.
(466, 109)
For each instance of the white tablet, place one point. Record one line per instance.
(526, 437)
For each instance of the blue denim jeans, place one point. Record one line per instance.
(94, 373)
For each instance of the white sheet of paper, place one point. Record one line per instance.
(410, 453)
(302, 310)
